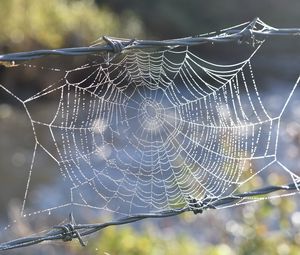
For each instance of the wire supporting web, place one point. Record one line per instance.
(150, 129)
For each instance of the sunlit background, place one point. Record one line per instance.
(268, 227)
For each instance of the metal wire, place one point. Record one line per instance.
(117, 45)
(72, 230)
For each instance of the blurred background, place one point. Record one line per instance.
(269, 227)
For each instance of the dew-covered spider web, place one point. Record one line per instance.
(147, 129)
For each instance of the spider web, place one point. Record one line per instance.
(145, 130)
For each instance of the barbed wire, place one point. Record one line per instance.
(118, 45)
(72, 230)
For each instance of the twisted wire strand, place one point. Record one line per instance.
(71, 230)
(118, 45)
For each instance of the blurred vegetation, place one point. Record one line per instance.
(182, 18)
(126, 240)
(264, 228)
(33, 24)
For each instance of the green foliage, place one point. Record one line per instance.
(34, 24)
(261, 239)
(263, 228)
(126, 240)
